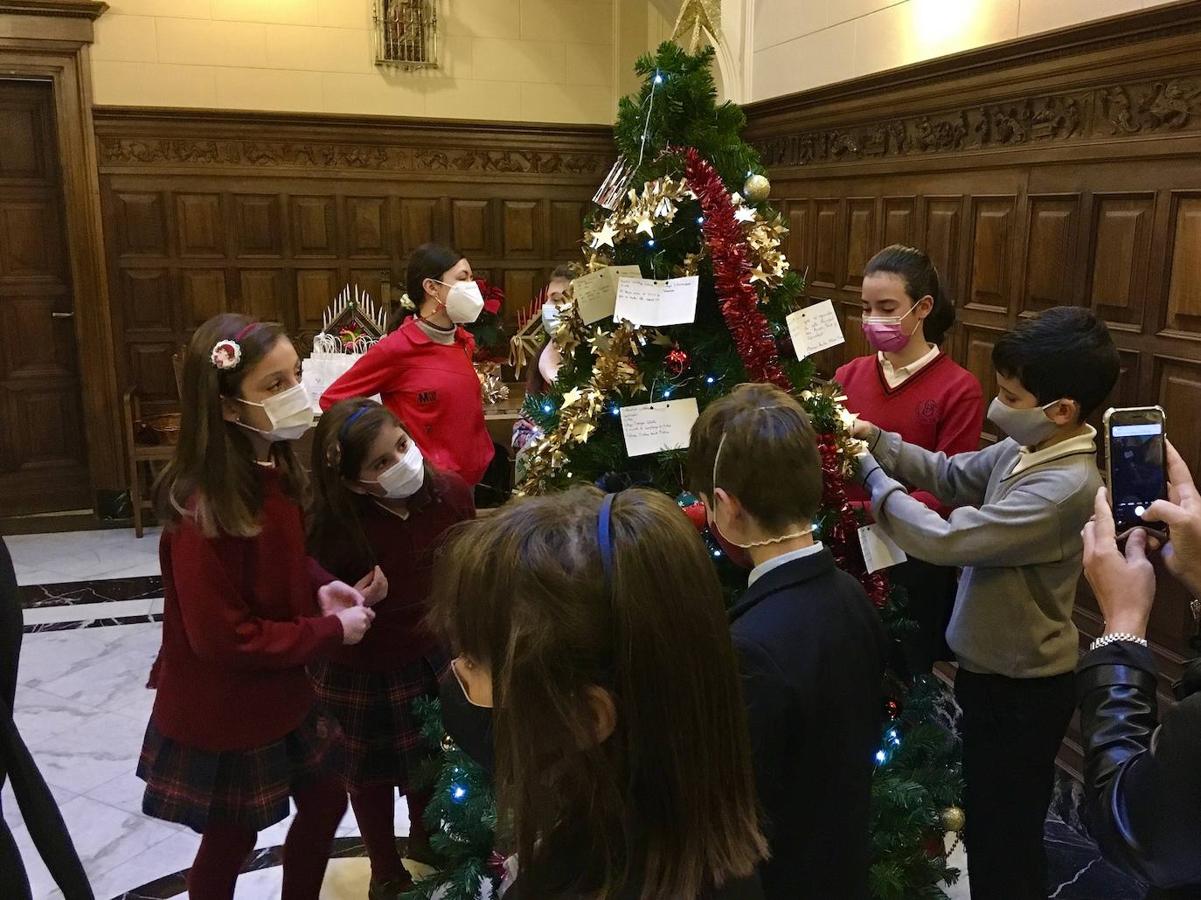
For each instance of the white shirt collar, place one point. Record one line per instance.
(895, 377)
(775, 562)
(1083, 443)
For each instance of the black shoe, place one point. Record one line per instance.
(390, 889)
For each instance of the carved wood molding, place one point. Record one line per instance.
(1140, 109)
(312, 155)
(83, 9)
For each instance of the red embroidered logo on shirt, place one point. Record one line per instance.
(928, 412)
(427, 397)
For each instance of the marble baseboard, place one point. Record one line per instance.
(74, 593)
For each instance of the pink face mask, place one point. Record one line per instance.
(886, 333)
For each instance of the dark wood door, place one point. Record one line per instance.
(43, 459)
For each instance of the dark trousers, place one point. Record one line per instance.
(1011, 729)
(929, 602)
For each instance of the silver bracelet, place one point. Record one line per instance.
(1106, 639)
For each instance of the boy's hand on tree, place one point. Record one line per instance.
(337, 596)
(862, 430)
(1181, 512)
(373, 586)
(1124, 584)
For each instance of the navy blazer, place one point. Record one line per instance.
(811, 650)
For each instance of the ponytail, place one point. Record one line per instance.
(921, 279)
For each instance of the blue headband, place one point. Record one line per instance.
(604, 522)
(350, 420)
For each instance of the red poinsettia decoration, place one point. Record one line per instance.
(494, 297)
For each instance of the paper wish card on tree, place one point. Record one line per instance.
(596, 293)
(655, 427)
(814, 329)
(657, 303)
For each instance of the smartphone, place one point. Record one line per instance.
(1134, 446)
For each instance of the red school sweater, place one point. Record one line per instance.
(434, 390)
(240, 623)
(404, 549)
(940, 407)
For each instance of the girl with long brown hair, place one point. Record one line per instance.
(235, 735)
(379, 510)
(593, 645)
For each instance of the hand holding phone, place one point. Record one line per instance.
(1137, 463)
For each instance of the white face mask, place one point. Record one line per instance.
(552, 314)
(464, 303)
(290, 413)
(404, 478)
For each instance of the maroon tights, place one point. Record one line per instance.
(373, 808)
(224, 847)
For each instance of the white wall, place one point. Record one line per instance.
(801, 44)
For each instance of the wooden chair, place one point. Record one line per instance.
(151, 456)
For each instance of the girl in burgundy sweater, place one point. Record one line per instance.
(380, 511)
(234, 732)
(911, 387)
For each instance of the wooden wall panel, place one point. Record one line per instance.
(148, 304)
(417, 223)
(825, 255)
(522, 228)
(565, 219)
(1052, 276)
(201, 229)
(1184, 289)
(141, 225)
(943, 233)
(471, 231)
(259, 232)
(204, 296)
(314, 226)
(1121, 244)
(898, 221)
(367, 233)
(991, 249)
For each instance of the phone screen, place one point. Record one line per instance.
(1136, 468)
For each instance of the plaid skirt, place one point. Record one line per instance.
(243, 787)
(381, 733)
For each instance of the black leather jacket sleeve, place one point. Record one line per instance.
(1142, 783)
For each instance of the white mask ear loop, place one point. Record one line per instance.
(768, 541)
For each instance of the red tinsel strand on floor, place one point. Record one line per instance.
(842, 531)
(728, 249)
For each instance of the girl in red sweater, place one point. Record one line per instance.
(380, 510)
(234, 733)
(909, 386)
(423, 369)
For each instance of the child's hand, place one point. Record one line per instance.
(337, 596)
(861, 429)
(355, 622)
(1124, 585)
(1182, 514)
(373, 586)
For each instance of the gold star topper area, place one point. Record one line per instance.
(699, 20)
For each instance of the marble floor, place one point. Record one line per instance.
(93, 601)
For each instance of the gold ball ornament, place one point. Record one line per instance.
(953, 819)
(756, 188)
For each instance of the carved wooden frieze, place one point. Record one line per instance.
(286, 155)
(1125, 110)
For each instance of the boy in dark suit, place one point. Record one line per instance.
(811, 646)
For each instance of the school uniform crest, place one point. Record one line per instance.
(425, 398)
(927, 412)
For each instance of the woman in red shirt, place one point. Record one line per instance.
(235, 733)
(909, 386)
(423, 369)
(380, 508)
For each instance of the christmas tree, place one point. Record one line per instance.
(687, 198)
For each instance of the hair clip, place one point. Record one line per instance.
(226, 355)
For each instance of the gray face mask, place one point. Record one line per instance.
(1029, 427)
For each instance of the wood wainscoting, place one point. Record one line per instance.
(271, 215)
(1060, 169)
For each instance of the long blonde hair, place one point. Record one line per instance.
(212, 478)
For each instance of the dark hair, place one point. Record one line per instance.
(524, 591)
(763, 424)
(340, 446)
(1065, 352)
(921, 279)
(212, 476)
(566, 271)
(428, 261)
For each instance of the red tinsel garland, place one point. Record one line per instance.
(842, 531)
(728, 250)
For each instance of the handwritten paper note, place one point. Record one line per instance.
(879, 550)
(596, 293)
(645, 301)
(814, 329)
(654, 427)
